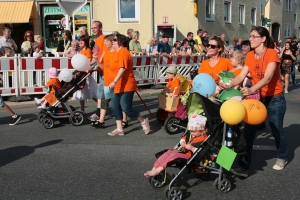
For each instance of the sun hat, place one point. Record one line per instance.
(197, 123)
(53, 72)
(171, 70)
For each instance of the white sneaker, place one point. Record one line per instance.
(279, 165)
(146, 126)
(43, 106)
(38, 102)
(286, 91)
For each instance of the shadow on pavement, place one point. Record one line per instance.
(12, 154)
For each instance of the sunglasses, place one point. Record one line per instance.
(28, 35)
(212, 46)
(115, 39)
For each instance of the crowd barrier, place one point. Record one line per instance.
(27, 75)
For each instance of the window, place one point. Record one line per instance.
(241, 14)
(287, 30)
(253, 16)
(227, 11)
(210, 10)
(128, 10)
(288, 5)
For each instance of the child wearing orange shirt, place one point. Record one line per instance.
(54, 82)
(188, 145)
(173, 86)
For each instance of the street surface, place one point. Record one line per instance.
(68, 162)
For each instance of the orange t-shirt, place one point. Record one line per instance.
(194, 141)
(274, 87)
(127, 82)
(99, 41)
(106, 62)
(223, 64)
(55, 82)
(236, 71)
(87, 52)
(173, 84)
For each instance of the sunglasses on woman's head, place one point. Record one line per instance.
(212, 46)
(115, 39)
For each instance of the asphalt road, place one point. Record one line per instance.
(69, 162)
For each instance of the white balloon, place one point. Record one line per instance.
(80, 62)
(65, 75)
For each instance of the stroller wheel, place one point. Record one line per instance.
(76, 118)
(157, 181)
(161, 115)
(41, 116)
(175, 194)
(224, 186)
(48, 122)
(168, 125)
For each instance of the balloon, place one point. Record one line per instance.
(232, 112)
(227, 94)
(204, 84)
(239, 98)
(65, 75)
(80, 62)
(256, 112)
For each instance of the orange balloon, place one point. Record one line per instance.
(256, 112)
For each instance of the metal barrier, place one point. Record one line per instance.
(27, 75)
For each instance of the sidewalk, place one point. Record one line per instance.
(30, 104)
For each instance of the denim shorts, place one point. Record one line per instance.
(100, 89)
(2, 103)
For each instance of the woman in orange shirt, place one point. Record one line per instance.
(266, 77)
(124, 85)
(215, 64)
(90, 89)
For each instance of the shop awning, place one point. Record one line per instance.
(15, 12)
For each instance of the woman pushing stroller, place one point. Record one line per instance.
(188, 145)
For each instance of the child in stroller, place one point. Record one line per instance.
(173, 85)
(188, 145)
(53, 84)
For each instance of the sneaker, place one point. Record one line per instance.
(279, 165)
(94, 117)
(38, 102)
(239, 171)
(146, 126)
(43, 106)
(116, 132)
(14, 121)
(286, 91)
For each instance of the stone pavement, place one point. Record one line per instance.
(29, 104)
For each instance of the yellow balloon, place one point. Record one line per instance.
(232, 111)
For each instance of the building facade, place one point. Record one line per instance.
(156, 17)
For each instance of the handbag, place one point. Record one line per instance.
(256, 95)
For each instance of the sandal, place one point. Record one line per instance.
(124, 124)
(98, 124)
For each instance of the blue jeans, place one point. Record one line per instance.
(123, 102)
(276, 107)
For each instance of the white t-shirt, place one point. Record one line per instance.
(151, 49)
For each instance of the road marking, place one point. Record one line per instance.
(264, 147)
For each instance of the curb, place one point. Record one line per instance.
(32, 104)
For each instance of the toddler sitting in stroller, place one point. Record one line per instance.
(54, 83)
(188, 145)
(173, 86)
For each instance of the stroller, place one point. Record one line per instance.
(203, 161)
(60, 109)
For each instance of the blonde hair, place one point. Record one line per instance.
(239, 56)
(151, 41)
(135, 33)
(40, 37)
